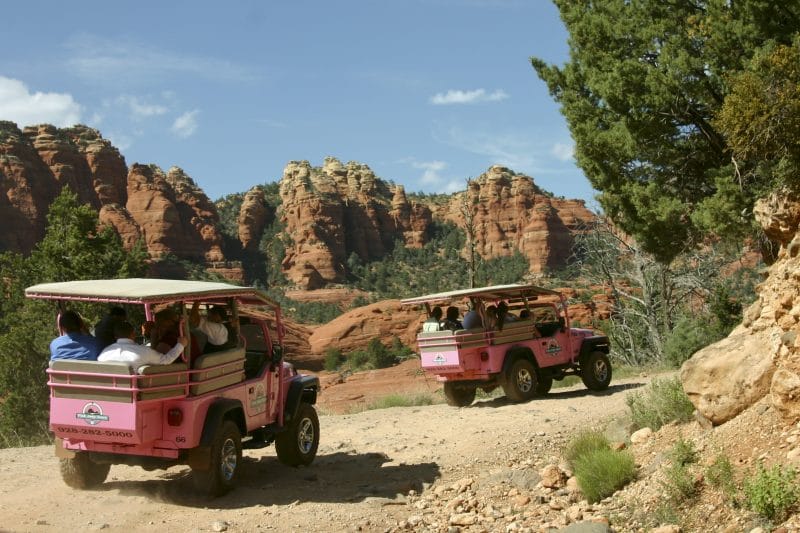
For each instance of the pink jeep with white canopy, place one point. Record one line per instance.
(521, 341)
(196, 411)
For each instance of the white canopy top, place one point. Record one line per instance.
(496, 292)
(142, 290)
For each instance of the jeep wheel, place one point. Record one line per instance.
(543, 385)
(520, 384)
(596, 371)
(80, 472)
(226, 457)
(458, 396)
(297, 445)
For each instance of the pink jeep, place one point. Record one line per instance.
(197, 411)
(522, 351)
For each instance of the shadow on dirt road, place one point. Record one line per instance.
(332, 478)
(558, 394)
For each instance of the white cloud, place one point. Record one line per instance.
(431, 175)
(140, 110)
(112, 60)
(563, 151)
(516, 152)
(19, 105)
(468, 97)
(186, 124)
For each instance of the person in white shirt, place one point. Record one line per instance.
(212, 325)
(126, 349)
(434, 321)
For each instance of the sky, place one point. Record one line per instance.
(427, 93)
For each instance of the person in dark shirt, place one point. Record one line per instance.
(104, 330)
(451, 320)
(75, 342)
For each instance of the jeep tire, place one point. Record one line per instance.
(226, 457)
(80, 472)
(596, 371)
(458, 396)
(520, 383)
(297, 444)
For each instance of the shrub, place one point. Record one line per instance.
(602, 472)
(679, 483)
(333, 359)
(586, 441)
(771, 493)
(398, 400)
(683, 452)
(720, 475)
(689, 335)
(660, 403)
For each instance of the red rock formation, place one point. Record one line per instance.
(511, 213)
(356, 328)
(252, 218)
(335, 211)
(330, 213)
(175, 217)
(27, 187)
(168, 211)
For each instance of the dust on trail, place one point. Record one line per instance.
(366, 465)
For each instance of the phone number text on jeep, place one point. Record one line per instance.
(96, 432)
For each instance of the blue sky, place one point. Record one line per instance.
(426, 92)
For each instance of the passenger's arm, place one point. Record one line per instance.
(194, 315)
(175, 352)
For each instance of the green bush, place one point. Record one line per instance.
(679, 483)
(398, 400)
(584, 442)
(602, 472)
(683, 452)
(333, 359)
(660, 403)
(689, 335)
(720, 475)
(772, 493)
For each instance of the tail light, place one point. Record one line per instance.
(484, 356)
(174, 417)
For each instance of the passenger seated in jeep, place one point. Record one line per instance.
(75, 342)
(126, 349)
(220, 335)
(451, 321)
(434, 321)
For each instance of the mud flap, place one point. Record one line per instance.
(199, 458)
(61, 452)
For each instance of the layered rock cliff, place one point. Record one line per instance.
(168, 211)
(337, 210)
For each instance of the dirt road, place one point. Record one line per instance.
(378, 470)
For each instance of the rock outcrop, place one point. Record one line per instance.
(761, 356)
(252, 218)
(168, 211)
(354, 329)
(336, 210)
(511, 213)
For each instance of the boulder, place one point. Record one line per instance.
(785, 392)
(725, 378)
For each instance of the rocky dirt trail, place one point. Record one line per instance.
(434, 468)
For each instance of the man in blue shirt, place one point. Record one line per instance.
(74, 344)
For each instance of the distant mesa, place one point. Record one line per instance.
(329, 212)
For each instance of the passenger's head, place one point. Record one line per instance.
(117, 313)
(166, 318)
(502, 308)
(70, 322)
(524, 314)
(124, 330)
(217, 314)
(452, 313)
(491, 311)
(436, 313)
